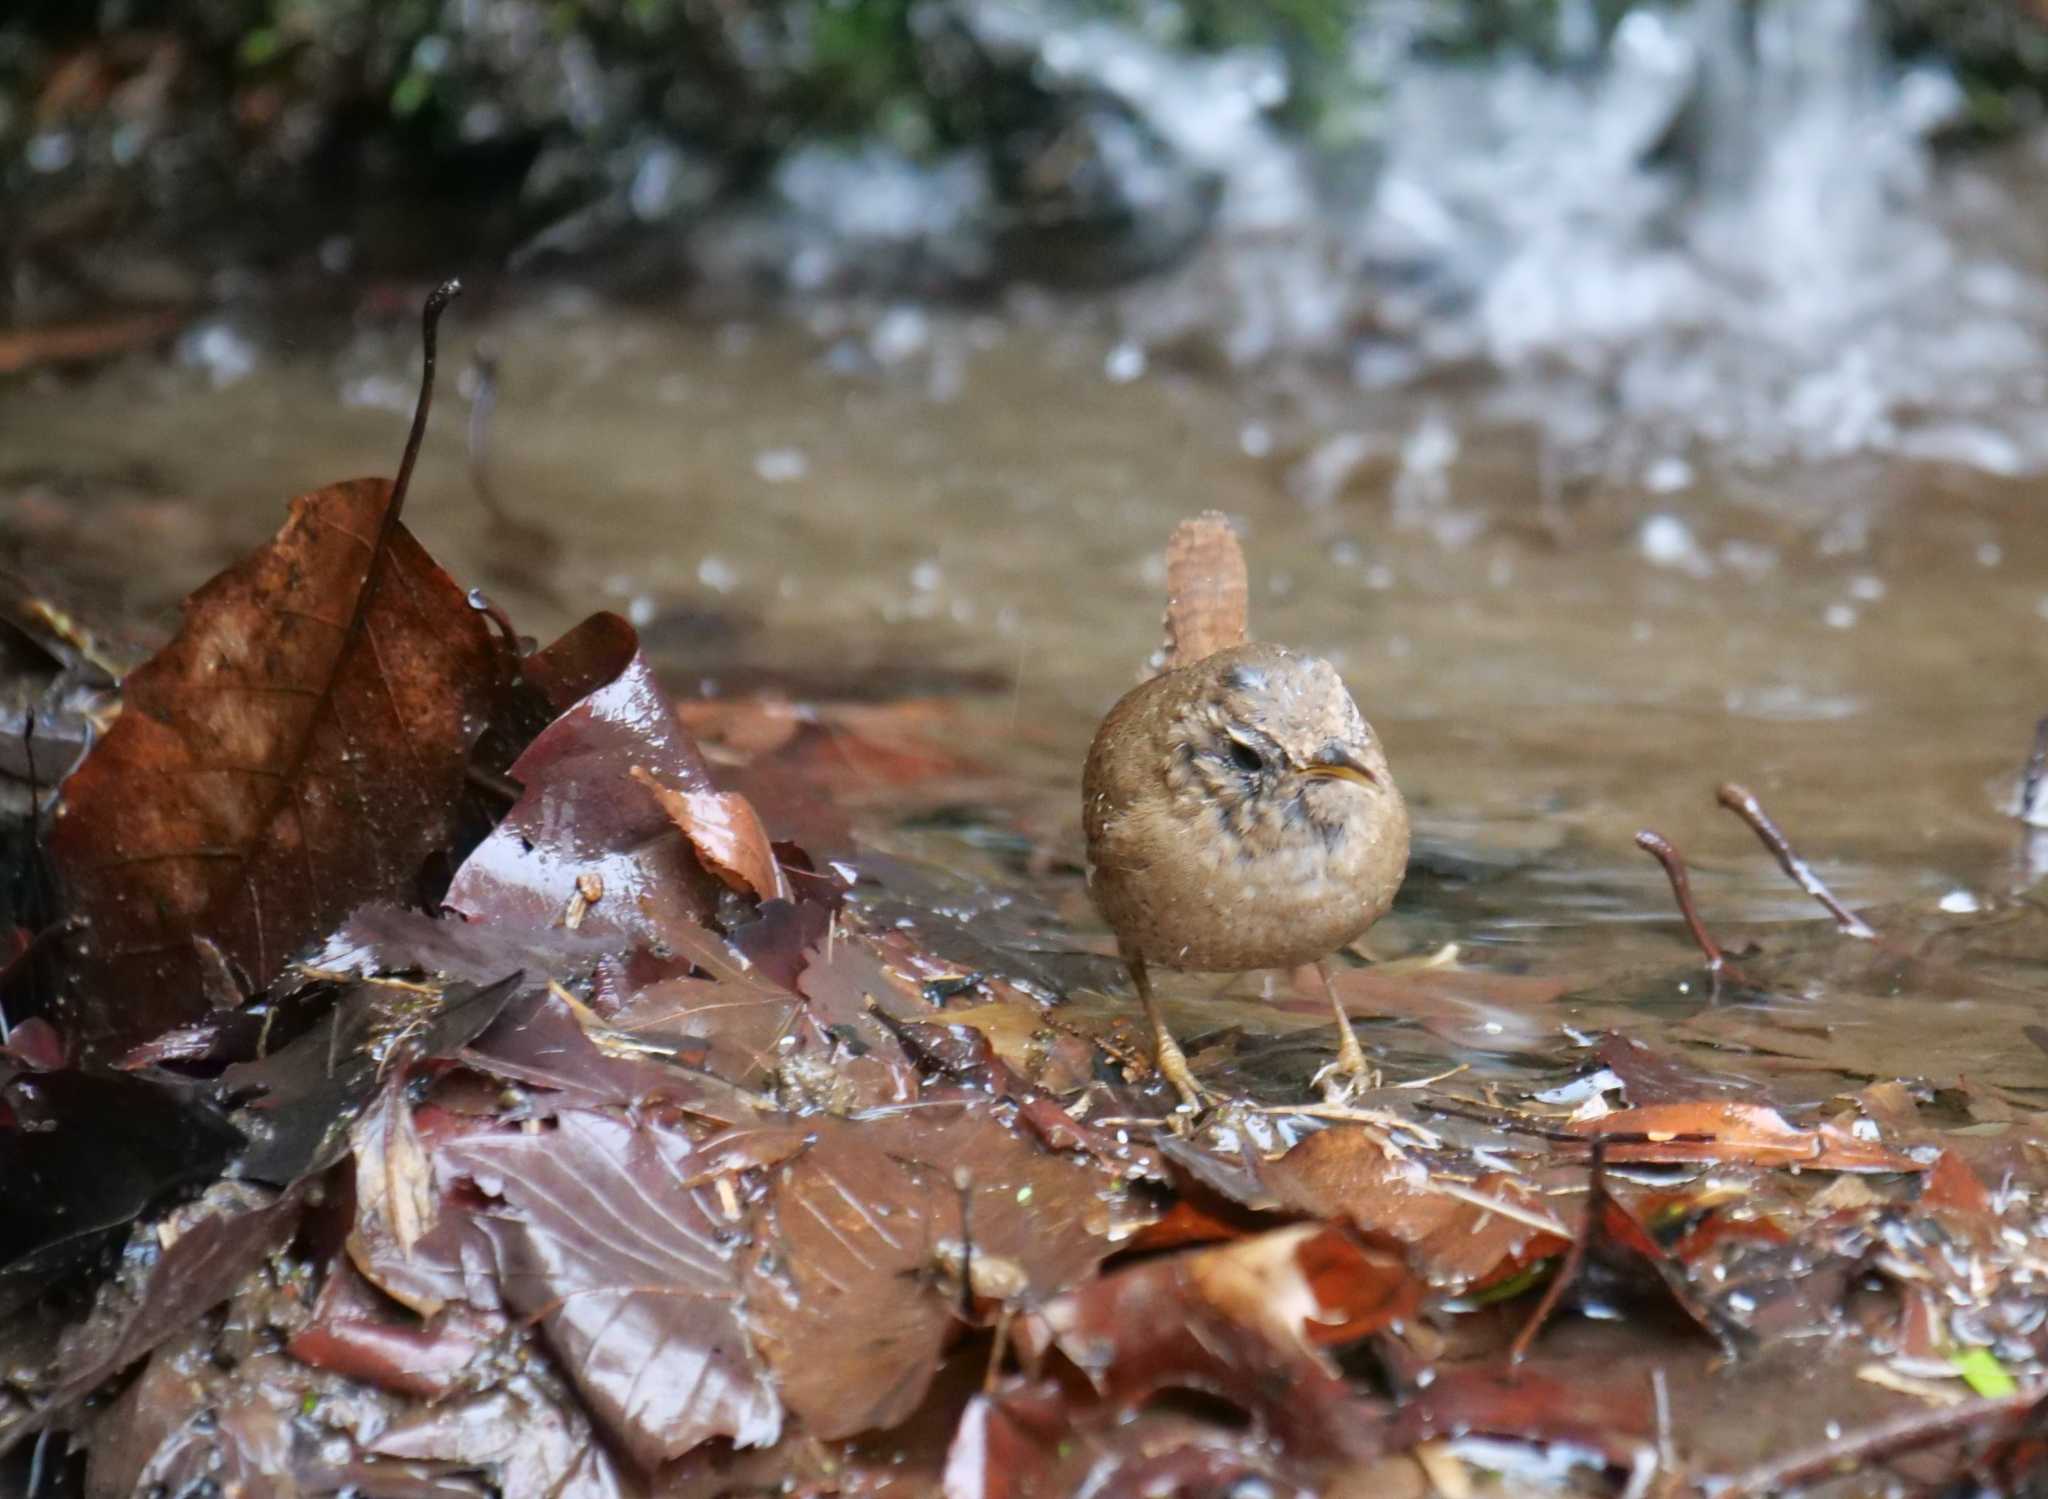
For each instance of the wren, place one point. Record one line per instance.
(1239, 810)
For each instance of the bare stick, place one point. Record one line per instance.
(1568, 1271)
(1743, 803)
(1902, 1433)
(430, 337)
(1659, 848)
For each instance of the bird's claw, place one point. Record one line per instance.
(1342, 1081)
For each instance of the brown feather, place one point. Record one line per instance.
(1207, 595)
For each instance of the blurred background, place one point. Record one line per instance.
(1626, 396)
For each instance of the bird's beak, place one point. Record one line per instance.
(1338, 764)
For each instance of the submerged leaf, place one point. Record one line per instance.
(299, 748)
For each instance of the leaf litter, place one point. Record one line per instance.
(461, 1076)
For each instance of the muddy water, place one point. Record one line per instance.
(973, 507)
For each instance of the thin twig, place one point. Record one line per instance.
(1659, 848)
(1568, 1271)
(1902, 1433)
(998, 1347)
(1743, 803)
(1346, 1114)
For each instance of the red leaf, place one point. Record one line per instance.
(298, 748)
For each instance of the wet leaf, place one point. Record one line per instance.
(395, 1194)
(298, 748)
(727, 834)
(585, 846)
(173, 1272)
(1236, 1321)
(1651, 1075)
(1030, 1441)
(1455, 1243)
(632, 1272)
(308, 1093)
(271, 1427)
(534, 1438)
(1738, 1133)
(450, 1263)
(82, 1155)
(383, 939)
(541, 1044)
(357, 1332)
(866, 1235)
(1606, 1416)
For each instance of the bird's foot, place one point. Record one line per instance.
(1350, 1075)
(1173, 1066)
(1340, 1086)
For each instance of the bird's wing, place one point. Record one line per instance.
(1207, 595)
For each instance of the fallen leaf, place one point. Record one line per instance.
(582, 815)
(1235, 1321)
(533, 1437)
(299, 748)
(176, 1271)
(1737, 1133)
(82, 1155)
(394, 1183)
(633, 1275)
(356, 1332)
(865, 1236)
(727, 834)
(1455, 1242)
(308, 1093)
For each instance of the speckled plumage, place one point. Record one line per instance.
(1220, 837)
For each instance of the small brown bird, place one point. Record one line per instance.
(1239, 810)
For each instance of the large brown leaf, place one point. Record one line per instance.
(612, 1239)
(296, 750)
(860, 1250)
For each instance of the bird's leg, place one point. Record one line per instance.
(1172, 1061)
(1351, 1063)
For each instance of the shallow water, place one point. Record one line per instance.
(978, 516)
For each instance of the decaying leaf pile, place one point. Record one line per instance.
(444, 1080)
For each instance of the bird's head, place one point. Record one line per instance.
(1270, 740)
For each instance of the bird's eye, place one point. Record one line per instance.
(1246, 757)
